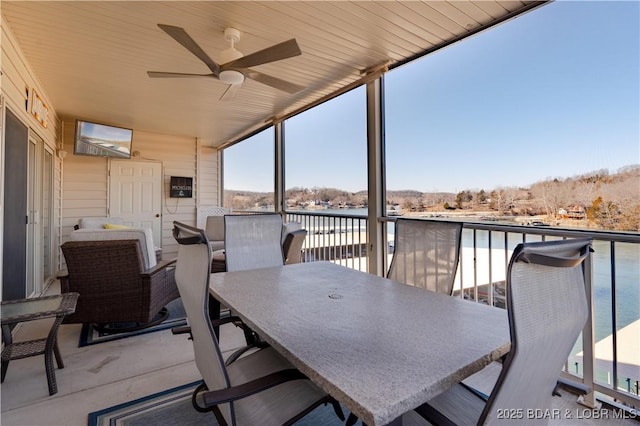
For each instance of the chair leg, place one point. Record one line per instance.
(56, 352)
(7, 339)
(5, 366)
(337, 408)
(51, 372)
(202, 387)
(352, 420)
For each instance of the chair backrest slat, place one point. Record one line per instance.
(426, 253)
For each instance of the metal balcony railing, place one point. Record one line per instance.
(606, 358)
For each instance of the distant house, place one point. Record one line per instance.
(574, 212)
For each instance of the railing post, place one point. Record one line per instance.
(588, 340)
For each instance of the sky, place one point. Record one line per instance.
(553, 93)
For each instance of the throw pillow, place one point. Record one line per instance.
(114, 226)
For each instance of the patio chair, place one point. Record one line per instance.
(115, 282)
(253, 241)
(261, 387)
(426, 254)
(547, 309)
(293, 237)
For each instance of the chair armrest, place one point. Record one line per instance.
(159, 266)
(226, 320)
(63, 277)
(222, 396)
(183, 329)
(238, 353)
(572, 386)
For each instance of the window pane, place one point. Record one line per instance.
(249, 173)
(326, 154)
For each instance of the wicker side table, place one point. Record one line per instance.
(22, 310)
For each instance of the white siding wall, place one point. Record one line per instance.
(86, 180)
(209, 177)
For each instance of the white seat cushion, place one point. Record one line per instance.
(98, 222)
(141, 234)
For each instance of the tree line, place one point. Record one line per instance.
(598, 199)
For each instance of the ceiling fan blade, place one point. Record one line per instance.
(181, 36)
(277, 83)
(161, 74)
(230, 93)
(284, 50)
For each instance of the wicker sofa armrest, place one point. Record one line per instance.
(160, 266)
(160, 282)
(63, 277)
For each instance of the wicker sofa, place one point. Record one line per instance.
(118, 277)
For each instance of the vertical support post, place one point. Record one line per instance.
(588, 339)
(279, 185)
(375, 178)
(221, 177)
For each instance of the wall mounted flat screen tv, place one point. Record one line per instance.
(101, 140)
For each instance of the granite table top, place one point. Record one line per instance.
(379, 347)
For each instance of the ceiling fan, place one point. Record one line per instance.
(235, 66)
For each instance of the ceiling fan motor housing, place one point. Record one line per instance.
(231, 54)
(232, 35)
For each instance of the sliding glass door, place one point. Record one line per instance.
(39, 209)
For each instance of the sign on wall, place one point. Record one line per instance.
(39, 109)
(181, 187)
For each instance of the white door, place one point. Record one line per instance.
(135, 195)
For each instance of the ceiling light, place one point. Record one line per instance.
(231, 77)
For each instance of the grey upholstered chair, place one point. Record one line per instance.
(261, 387)
(426, 254)
(547, 308)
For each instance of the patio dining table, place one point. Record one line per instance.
(379, 347)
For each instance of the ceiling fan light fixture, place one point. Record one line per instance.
(233, 66)
(231, 77)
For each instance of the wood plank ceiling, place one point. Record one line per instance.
(92, 57)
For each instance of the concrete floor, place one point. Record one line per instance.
(97, 376)
(100, 376)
